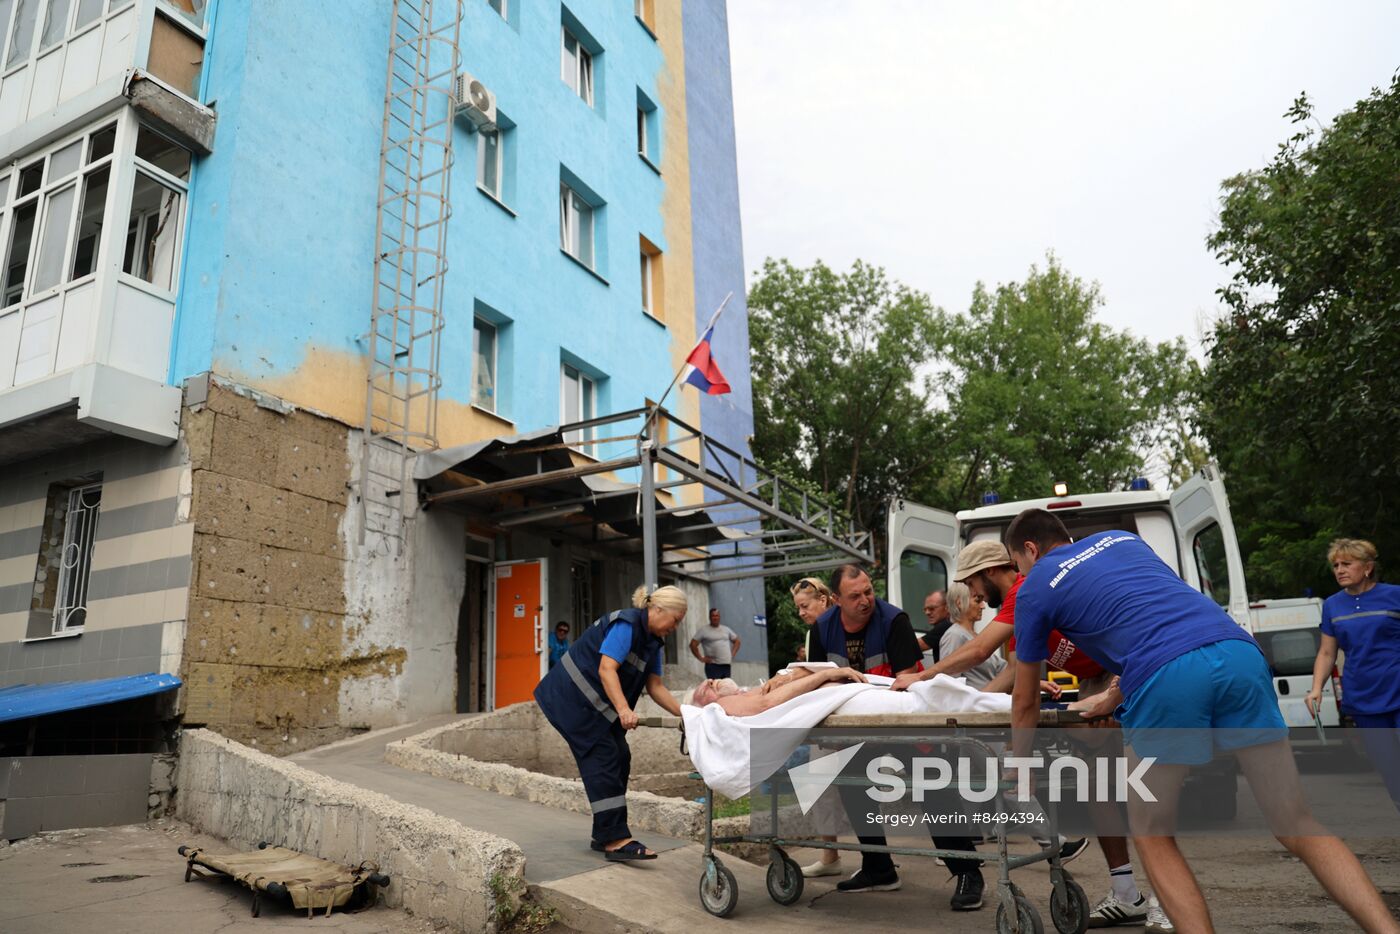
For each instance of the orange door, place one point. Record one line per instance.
(520, 630)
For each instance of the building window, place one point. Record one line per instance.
(490, 162)
(577, 66)
(59, 604)
(153, 230)
(56, 205)
(27, 34)
(484, 350)
(500, 7)
(575, 225)
(645, 11)
(652, 279)
(648, 130)
(577, 403)
(1208, 547)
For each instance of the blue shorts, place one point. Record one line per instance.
(1219, 696)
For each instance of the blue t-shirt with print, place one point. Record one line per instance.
(1367, 628)
(617, 645)
(1120, 604)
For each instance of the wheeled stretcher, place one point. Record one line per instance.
(964, 732)
(309, 882)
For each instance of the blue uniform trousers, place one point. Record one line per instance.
(605, 764)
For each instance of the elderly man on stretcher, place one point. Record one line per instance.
(745, 702)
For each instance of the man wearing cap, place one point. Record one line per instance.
(987, 569)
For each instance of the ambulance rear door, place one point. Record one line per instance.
(923, 543)
(1210, 552)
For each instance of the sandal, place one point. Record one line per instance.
(631, 851)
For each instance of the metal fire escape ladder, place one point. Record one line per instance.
(410, 260)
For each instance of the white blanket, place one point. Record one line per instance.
(732, 761)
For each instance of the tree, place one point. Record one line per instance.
(1299, 401)
(836, 396)
(1037, 391)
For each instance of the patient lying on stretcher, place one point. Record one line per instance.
(745, 702)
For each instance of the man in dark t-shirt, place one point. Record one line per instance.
(891, 649)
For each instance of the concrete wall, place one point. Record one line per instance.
(140, 573)
(645, 811)
(270, 639)
(441, 871)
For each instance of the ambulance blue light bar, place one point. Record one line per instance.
(1139, 484)
(991, 498)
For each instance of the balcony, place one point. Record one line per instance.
(87, 303)
(63, 62)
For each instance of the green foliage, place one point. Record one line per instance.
(1299, 397)
(1037, 391)
(836, 398)
(786, 631)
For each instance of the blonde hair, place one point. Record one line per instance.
(1357, 549)
(958, 597)
(669, 598)
(817, 587)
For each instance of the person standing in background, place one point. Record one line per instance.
(558, 642)
(936, 613)
(1363, 620)
(720, 645)
(812, 598)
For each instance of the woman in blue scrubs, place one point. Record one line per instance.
(590, 696)
(1363, 620)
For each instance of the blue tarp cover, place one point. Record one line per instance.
(22, 701)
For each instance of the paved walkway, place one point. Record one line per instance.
(555, 842)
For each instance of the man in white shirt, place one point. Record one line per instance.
(715, 646)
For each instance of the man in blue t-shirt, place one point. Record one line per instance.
(1189, 680)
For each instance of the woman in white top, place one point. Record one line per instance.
(965, 609)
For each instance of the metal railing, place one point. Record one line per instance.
(747, 521)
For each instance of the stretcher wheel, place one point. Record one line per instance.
(1070, 916)
(719, 899)
(784, 880)
(1026, 915)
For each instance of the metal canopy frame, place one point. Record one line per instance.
(751, 523)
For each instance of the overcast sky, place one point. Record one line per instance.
(956, 141)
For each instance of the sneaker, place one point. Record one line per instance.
(1072, 849)
(1157, 920)
(819, 868)
(865, 881)
(968, 895)
(1110, 912)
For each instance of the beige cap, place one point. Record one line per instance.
(979, 556)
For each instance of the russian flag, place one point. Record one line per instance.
(703, 373)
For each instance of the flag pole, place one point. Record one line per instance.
(675, 379)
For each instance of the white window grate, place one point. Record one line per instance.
(75, 566)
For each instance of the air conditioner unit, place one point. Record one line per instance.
(475, 103)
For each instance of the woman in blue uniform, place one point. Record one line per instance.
(1363, 620)
(589, 698)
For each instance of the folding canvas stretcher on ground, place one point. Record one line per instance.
(309, 882)
(1069, 906)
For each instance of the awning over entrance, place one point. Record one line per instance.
(684, 504)
(23, 701)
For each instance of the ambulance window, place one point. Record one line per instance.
(920, 575)
(1209, 550)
